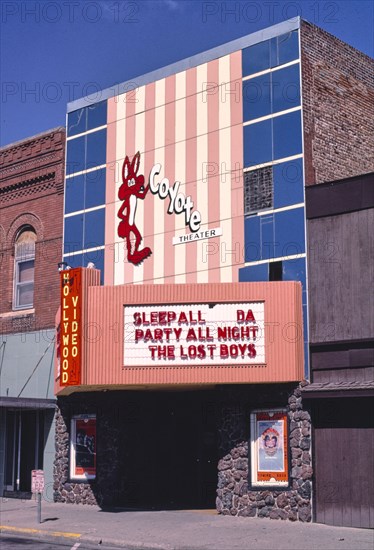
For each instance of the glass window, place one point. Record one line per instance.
(289, 232)
(95, 188)
(77, 122)
(73, 234)
(256, 58)
(87, 118)
(254, 273)
(94, 228)
(288, 183)
(96, 149)
(97, 258)
(257, 143)
(267, 237)
(256, 97)
(288, 47)
(252, 239)
(24, 256)
(285, 84)
(287, 135)
(295, 270)
(74, 261)
(75, 155)
(74, 194)
(284, 48)
(96, 115)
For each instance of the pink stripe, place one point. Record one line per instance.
(237, 163)
(191, 165)
(214, 180)
(130, 151)
(110, 193)
(149, 160)
(169, 228)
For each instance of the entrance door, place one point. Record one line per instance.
(343, 462)
(24, 448)
(169, 452)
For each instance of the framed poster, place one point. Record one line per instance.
(269, 448)
(83, 447)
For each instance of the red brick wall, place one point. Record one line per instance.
(338, 100)
(31, 192)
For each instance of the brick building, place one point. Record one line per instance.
(31, 206)
(242, 130)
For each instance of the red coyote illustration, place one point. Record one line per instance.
(131, 190)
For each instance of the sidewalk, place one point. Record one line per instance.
(173, 530)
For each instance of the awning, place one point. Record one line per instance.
(27, 403)
(338, 389)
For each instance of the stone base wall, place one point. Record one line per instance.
(94, 491)
(64, 490)
(125, 458)
(234, 496)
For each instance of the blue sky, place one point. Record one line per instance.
(55, 51)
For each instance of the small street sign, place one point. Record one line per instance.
(37, 481)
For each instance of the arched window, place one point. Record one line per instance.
(24, 260)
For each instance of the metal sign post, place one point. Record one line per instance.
(37, 487)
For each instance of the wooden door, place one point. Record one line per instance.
(343, 462)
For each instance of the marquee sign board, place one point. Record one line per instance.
(197, 334)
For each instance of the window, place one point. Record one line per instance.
(288, 183)
(258, 143)
(258, 190)
(95, 188)
(73, 234)
(275, 271)
(96, 149)
(83, 447)
(85, 191)
(287, 140)
(75, 155)
(284, 48)
(270, 53)
(87, 118)
(271, 93)
(94, 228)
(96, 115)
(74, 194)
(24, 264)
(257, 97)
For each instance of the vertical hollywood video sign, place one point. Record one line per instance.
(70, 328)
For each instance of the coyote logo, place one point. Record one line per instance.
(130, 191)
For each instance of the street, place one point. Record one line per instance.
(18, 543)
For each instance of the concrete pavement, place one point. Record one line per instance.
(173, 530)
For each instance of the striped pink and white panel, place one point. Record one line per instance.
(191, 124)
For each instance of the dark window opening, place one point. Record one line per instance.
(275, 271)
(258, 190)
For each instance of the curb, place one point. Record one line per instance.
(39, 534)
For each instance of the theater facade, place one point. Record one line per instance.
(183, 329)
